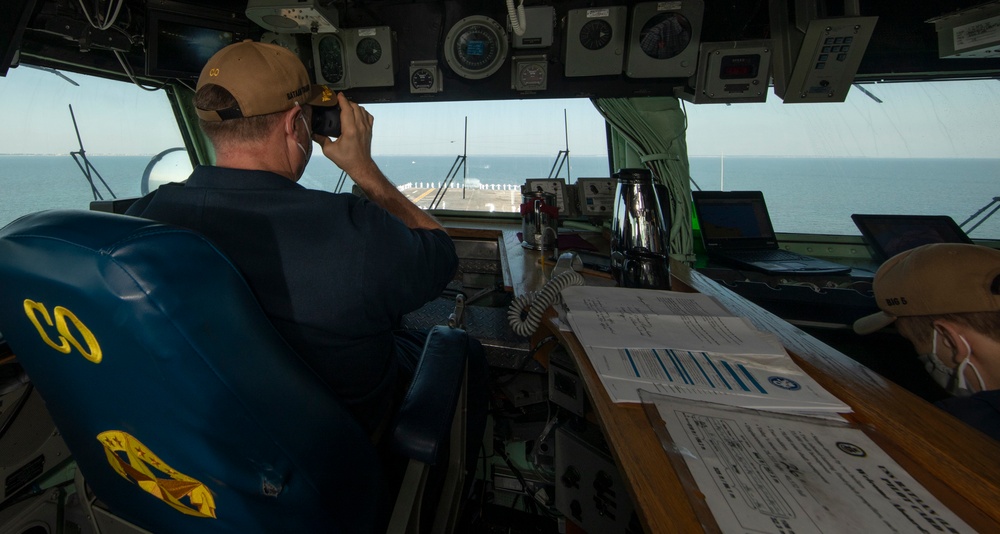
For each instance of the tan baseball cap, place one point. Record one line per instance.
(263, 78)
(932, 280)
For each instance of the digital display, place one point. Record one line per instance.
(475, 48)
(739, 67)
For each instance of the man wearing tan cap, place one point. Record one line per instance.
(945, 299)
(334, 272)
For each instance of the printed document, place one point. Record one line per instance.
(772, 473)
(687, 344)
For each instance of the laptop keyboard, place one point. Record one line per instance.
(763, 255)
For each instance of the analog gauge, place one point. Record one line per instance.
(476, 47)
(422, 79)
(331, 59)
(665, 35)
(595, 34)
(369, 50)
(531, 75)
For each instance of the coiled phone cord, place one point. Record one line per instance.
(526, 311)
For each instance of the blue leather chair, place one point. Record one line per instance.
(184, 409)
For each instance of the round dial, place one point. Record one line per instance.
(665, 35)
(476, 47)
(422, 79)
(531, 75)
(369, 50)
(331, 59)
(596, 34)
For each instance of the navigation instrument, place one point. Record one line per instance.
(475, 47)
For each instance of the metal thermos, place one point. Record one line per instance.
(639, 232)
(539, 220)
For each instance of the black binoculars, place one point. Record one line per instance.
(326, 121)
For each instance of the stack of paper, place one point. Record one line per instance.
(687, 345)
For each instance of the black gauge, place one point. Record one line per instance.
(531, 75)
(369, 50)
(331, 59)
(476, 47)
(596, 34)
(665, 35)
(422, 79)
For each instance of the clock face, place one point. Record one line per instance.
(369, 50)
(476, 47)
(595, 34)
(331, 59)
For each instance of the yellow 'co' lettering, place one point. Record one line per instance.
(67, 341)
(213, 72)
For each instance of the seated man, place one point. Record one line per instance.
(945, 299)
(333, 272)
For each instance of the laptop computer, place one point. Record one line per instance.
(888, 235)
(736, 229)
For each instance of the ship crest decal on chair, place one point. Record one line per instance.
(135, 462)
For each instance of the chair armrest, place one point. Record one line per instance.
(424, 419)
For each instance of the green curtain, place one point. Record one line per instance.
(649, 132)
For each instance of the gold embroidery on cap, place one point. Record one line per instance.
(213, 72)
(67, 341)
(137, 466)
(327, 94)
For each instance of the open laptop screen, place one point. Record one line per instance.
(734, 220)
(889, 235)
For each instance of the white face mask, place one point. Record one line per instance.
(305, 153)
(952, 380)
(302, 148)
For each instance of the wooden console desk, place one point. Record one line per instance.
(959, 465)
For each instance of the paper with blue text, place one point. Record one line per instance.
(687, 345)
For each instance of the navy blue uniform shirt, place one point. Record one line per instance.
(334, 272)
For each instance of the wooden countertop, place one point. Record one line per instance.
(959, 465)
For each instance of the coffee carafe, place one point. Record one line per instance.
(639, 231)
(539, 220)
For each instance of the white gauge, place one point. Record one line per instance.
(556, 186)
(475, 47)
(597, 196)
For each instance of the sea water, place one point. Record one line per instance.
(804, 195)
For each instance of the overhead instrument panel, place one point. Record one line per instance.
(595, 41)
(328, 60)
(475, 47)
(370, 56)
(664, 37)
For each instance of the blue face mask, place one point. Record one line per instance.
(952, 380)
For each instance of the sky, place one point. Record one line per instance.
(939, 119)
